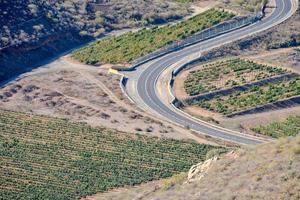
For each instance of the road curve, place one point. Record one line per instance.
(146, 78)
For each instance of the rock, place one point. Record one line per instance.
(197, 172)
(30, 88)
(7, 94)
(104, 116)
(53, 94)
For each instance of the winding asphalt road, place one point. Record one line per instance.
(147, 75)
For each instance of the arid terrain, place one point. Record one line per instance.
(70, 129)
(83, 93)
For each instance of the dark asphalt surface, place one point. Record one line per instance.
(146, 84)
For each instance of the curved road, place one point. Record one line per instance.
(146, 76)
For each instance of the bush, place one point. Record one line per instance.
(215, 152)
(174, 180)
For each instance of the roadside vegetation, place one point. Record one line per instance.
(290, 127)
(132, 45)
(256, 96)
(50, 158)
(226, 74)
(292, 42)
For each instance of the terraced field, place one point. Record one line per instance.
(226, 74)
(256, 96)
(290, 127)
(49, 158)
(130, 46)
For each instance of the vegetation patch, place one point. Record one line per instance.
(174, 180)
(290, 127)
(292, 42)
(132, 45)
(226, 74)
(49, 158)
(256, 96)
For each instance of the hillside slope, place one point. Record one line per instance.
(33, 32)
(269, 171)
(29, 20)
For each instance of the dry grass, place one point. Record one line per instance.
(174, 180)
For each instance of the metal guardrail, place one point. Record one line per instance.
(198, 37)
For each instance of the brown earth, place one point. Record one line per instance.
(83, 93)
(288, 58)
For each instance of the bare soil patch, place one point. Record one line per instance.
(68, 89)
(244, 123)
(134, 192)
(288, 58)
(179, 90)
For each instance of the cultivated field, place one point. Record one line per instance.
(130, 46)
(51, 158)
(289, 127)
(256, 96)
(225, 74)
(57, 91)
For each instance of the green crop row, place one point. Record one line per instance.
(239, 101)
(290, 127)
(226, 74)
(49, 158)
(132, 45)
